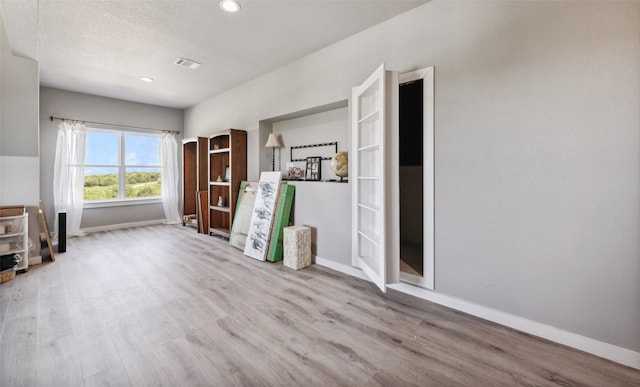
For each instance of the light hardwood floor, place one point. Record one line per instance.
(164, 306)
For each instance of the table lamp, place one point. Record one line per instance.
(273, 143)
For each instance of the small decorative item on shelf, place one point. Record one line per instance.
(216, 146)
(340, 165)
(227, 173)
(294, 173)
(219, 179)
(313, 168)
(220, 201)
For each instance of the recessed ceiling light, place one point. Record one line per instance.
(146, 79)
(230, 5)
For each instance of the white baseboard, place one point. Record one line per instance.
(89, 230)
(598, 348)
(342, 268)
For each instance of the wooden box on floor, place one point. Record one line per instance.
(297, 247)
(7, 275)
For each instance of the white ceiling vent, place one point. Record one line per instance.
(187, 63)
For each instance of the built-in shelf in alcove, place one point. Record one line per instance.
(326, 123)
(326, 208)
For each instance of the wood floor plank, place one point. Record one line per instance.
(57, 363)
(94, 347)
(6, 292)
(114, 376)
(284, 365)
(158, 324)
(24, 297)
(139, 358)
(188, 365)
(246, 364)
(18, 351)
(54, 319)
(385, 347)
(165, 306)
(18, 344)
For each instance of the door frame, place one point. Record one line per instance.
(428, 179)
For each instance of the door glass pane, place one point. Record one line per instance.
(100, 183)
(369, 101)
(370, 164)
(102, 148)
(369, 134)
(142, 150)
(143, 182)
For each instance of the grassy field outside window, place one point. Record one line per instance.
(121, 165)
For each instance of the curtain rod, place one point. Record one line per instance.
(115, 125)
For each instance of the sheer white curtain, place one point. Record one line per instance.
(68, 175)
(169, 158)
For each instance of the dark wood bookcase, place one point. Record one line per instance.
(195, 179)
(227, 168)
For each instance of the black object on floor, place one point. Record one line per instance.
(62, 232)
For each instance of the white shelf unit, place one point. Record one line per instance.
(14, 238)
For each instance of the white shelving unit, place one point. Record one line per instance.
(14, 238)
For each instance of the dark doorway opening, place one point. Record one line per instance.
(411, 99)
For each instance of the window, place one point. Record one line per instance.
(121, 165)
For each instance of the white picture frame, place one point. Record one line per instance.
(257, 243)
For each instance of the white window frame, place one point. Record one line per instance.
(122, 166)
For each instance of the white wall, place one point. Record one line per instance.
(19, 93)
(68, 104)
(537, 148)
(19, 180)
(322, 206)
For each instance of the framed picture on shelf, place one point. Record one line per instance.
(227, 173)
(312, 172)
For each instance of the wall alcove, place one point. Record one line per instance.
(319, 205)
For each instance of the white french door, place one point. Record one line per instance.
(374, 117)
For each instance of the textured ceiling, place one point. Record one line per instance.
(104, 47)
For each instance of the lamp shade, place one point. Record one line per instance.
(273, 142)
